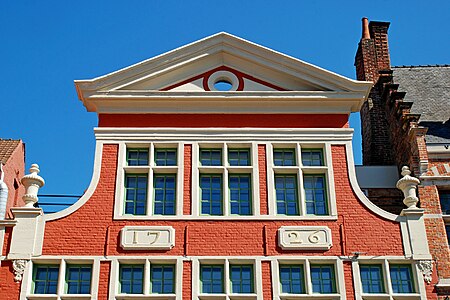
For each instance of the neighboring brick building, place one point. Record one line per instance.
(406, 121)
(12, 160)
(223, 170)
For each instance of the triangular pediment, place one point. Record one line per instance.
(219, 64)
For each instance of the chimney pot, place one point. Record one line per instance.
(365, 29)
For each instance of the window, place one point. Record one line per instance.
(302, 180)
(211, 277)
(162, 278)
(146, 278)
(225, 180)
(447, 230)
(211, 157)
(62, 278)
(292, 279)
(137, 157)
(286, 194)
(372, 279)
(305, 278)
(312, 157)
(164, 193)
(322, 278)
(444, 198)
(241, 277)
(211, 193)
(240, 194)
(45, 279)
(384, 279)
(226, 279)
(131, 278)
(150, 181)
(135, 194)
(284, 157)
(78, 279)
(166, 157)
(238, 157)
(315, 194)
(401, 278)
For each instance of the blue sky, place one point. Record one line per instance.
(46, 45)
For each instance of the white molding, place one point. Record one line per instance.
(221, 135)
(359, 193)
(217, 50)
(90, 190)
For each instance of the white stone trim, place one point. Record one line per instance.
(359, 193)
(385, 262)
(27, 282)
(147, 262)
(300, 170)
(90, 190)
(189, 135)
(306, 261)
(225, 170)
(225, 262)
(150, 170)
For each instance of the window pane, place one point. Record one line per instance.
(315, 194)
(284, 157)
(312, 157)
(78, 279)
(165, 157)
(45, 279)
(162, 279)
(286, 194)
(240, 191)
(323, 279)
(211, 157)
(164, 194)
(137, 157)
(371, 278)
(401, 279)
(131, 279)
(444, 197)
(135, 194)
(292, 279)
(211, 194)
(241, 278)
(239, 157)
(211, 278)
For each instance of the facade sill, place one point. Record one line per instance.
(152, 296)
(228, 218)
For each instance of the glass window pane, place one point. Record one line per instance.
(323, 279)
(284, 157)
(292, 279)
(286, 194)
(401, 278)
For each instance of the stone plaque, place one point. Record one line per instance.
(304, 237)
(147, 237)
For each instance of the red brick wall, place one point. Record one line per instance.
(224, 120)
(14, 171)
(9, 289)
(91, 230)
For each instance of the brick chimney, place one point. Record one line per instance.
(372, 63)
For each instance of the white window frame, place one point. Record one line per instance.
(226, 262)
(225, 169)
(299, 170)
(385, 263)
(114, 284)
(307, 262)
(150, 170)
(27, 282)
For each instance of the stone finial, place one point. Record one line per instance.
(365, 29)
(32, 182)
(408, 185)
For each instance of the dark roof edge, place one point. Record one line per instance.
(421, 66)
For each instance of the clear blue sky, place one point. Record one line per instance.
(45, 45)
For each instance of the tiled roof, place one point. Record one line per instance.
(7, 148)
(429, 88)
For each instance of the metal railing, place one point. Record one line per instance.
(54, 203)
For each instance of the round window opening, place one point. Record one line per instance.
(223, 85)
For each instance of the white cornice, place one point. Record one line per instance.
(223, 134)
(206, 54)
(225, 102)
